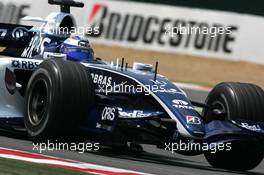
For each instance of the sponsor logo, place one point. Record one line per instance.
(133, 114)
(19, 32)
(36, 46)
(133, 27)
(3, 33)
(158, 82)
(108, 113)
(22, 64)
(170, 91)
(251, 127)
(101, 79)
(193, 120)
(181, 104)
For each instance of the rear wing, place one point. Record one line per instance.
(66, 4)
(12, 35)
(14, 39)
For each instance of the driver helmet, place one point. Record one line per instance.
(77, 49)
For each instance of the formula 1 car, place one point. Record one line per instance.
(48, 95)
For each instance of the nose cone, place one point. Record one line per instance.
(176, 104)
(189, 122)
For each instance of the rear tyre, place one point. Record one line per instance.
(236, 101)
(58, 96)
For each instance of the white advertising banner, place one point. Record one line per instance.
(199, 32)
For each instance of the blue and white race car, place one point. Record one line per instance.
(52, 87)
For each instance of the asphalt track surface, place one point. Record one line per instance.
(153, 160)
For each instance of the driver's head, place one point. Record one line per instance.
(77, 49)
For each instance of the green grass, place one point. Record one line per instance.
(14, 167)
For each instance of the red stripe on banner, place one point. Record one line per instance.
(95, 10)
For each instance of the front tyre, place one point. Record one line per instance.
(236, 101)
(59, 94)
(243, 156)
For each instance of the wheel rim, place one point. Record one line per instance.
(221, 107)
(38, 99)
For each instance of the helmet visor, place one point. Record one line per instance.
(79, 54)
